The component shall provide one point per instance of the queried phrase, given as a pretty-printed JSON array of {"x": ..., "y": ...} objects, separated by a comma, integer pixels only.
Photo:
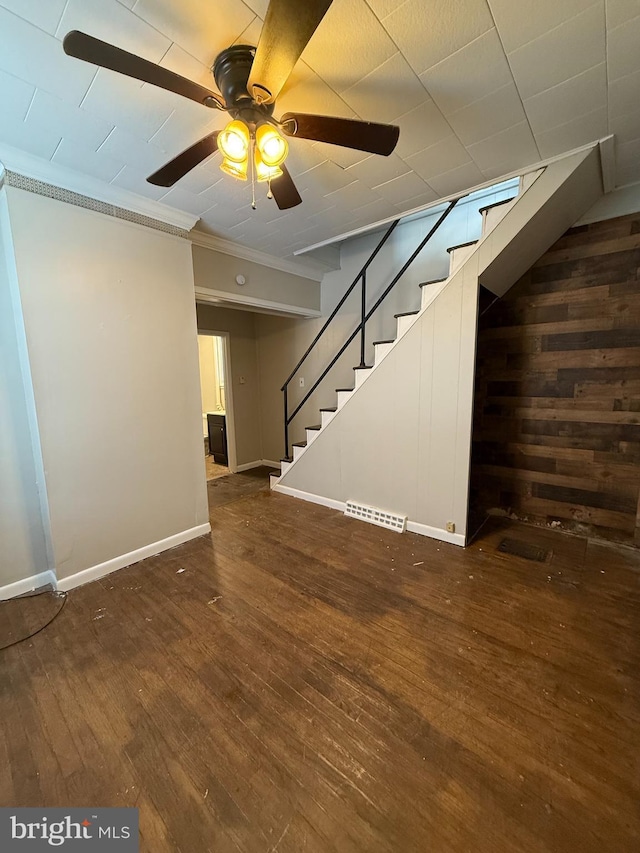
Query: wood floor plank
[{"x": 301, "y": 681}]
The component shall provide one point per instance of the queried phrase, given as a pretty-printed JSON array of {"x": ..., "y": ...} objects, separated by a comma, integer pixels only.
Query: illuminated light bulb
[
  {"x": 273, "y": 147},
  {"x": 264, "y": 172},
  {"x": 236, "y": 170},
  {"x": 234, "y": 141}
]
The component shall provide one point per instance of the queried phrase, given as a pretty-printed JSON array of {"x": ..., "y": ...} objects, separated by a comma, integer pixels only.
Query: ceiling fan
[{"x": 249, "y": 79}]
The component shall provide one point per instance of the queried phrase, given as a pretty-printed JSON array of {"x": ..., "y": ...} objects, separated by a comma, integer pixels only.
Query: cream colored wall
[
  {"x": 245, "y": 381},
  {"x": 111, "y": 334},
  {"x": 217, "y": 271},
  {"x": 23, "y": 545}
]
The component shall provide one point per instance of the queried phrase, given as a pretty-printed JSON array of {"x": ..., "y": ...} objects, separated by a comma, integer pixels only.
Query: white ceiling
[{"x": 479, "y": 88}]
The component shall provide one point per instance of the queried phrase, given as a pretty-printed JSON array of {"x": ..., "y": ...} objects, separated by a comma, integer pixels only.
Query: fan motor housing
[{"x": 231, "y": 71}]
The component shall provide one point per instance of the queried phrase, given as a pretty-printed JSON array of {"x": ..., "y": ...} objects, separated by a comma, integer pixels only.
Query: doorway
[{"x": 217, "y": 435}]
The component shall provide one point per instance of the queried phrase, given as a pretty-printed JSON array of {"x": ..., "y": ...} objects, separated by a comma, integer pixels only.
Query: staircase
[{"x": 424, "y": 376}]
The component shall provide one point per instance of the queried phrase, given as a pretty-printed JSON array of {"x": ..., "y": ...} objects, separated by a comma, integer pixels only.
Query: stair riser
[
  {"x": 343, "y": 396},
  {"x": 405, "y": 323},
  {"x": 326, "y": 418},
  {"x": 311, "y": 434},
  {"x": 380, "y": 351},
  {"x": 360, "y": 375},
  {"x": 284, "y": 467},
  {"x": 273, "y": 480},
  {"x": 459, "y": 256},
  {"x": 297, "y": 452},
  {"x": 491, "y": 217}
]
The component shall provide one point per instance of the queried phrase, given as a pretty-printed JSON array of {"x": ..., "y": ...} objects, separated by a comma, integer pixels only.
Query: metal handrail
[{"x": 365, "y": 317}]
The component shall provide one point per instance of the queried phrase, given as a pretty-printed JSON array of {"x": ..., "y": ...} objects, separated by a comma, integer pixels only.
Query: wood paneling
[
  {"x": 301, "y": 682},
  {"x": 557, "y": 408}
]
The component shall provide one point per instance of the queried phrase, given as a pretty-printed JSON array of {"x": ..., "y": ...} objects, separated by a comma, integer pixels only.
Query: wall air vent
[{"x": 376, "y": 516}]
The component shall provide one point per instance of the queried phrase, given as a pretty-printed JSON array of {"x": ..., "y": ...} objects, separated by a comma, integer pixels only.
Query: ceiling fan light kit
[{"x": 249, "y": 79}]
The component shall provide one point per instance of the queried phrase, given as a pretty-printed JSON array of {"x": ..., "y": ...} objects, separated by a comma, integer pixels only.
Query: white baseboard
[
  {"x": 307, "y": 496},
  {"x": 96, "y": 572},
  {"x": 12, "y": 590},
  {"x": 436, "y": 533},
  {"x": 246, "y": 466}
]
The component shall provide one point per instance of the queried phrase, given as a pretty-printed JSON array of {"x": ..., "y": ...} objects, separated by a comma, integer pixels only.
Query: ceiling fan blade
[
  {"x": 284, "y": 190},
  {"x": 363, "y": 135},
  {"x": 106, "y": 55},
  {"x": 288, "y": 26},
  {"x": 183, "y": 163}
]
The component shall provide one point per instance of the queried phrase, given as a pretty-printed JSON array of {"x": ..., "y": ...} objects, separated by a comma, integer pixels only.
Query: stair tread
[
  {"x": 391, "y": 341},
  {"x": 433, "y": 281},
  {"x": 317, "y": 426},
  {"x": 406, "y": 314},
  {"x": 299, "y": 444},
  {"x": 329, "y": 409},
  {"x": 462, "y": 245},
  {"x": 287, "y": 459},
  {"x": 495, "y": 204},
  {"x": 344, "y": 389},
  {"x": 363, "y": 367}
]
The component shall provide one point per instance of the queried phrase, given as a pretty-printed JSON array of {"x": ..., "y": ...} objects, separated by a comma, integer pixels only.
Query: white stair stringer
[{"x": 401, "y": 440}]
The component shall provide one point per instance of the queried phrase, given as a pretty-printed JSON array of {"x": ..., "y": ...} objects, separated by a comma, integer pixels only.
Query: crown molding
[
  {"x": 30, "y": 166},
  {"x": 246, "y": 253}
]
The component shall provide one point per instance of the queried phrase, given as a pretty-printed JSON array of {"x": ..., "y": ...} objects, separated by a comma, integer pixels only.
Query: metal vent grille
[
  {"x": 523, "y": 549},
  {"x": 376, "y": 516},
  {"x": 32, "y": 185}
]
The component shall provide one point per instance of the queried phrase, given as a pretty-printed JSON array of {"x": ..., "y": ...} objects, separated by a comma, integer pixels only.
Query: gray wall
[
  {"x": 111, "y": 334},
  {"x": 23, "y": 551}
]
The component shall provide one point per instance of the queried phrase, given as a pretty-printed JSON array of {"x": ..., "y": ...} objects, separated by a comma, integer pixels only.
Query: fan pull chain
[
  {"x": 253, "y": 175},
  {"x": 269, "y": 193}
]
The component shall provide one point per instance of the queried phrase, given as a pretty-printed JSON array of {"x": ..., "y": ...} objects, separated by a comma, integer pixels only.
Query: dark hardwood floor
[{"x": 302, "y": 681}]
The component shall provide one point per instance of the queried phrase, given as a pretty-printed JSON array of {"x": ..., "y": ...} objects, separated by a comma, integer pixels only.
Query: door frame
[{"x": 228, "y": 393}]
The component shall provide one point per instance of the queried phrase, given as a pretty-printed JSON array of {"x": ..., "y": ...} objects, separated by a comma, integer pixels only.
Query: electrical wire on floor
[{"x": 63, "y": 600}]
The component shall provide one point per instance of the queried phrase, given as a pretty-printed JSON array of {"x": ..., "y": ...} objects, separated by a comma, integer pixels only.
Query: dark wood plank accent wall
[{"x": 557, "y": 409}]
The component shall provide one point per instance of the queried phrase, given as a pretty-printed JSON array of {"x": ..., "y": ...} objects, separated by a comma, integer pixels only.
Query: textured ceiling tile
[
  {"x": 189, "y": 123},
  {"x": 564, "y": 52},
  {"x": 506, "y": 151},
  {"x": 130, "y": 179},
  {"x": 251, "y": 35},
  {"x": 50, "y": 113},
  {"x": 191, "y": 202},
  {"x": 457, "y": 180},
  {"x": 623, "y": 49},
  {"x": 471, "y": 73},
  {"x": 110, "y": 21},
  {"x": 628, "y": 163},
  {"x": 427, "y": 33},
  {"x": 573, "y": 134},
  {"x": 521, "y": 22},
  {"x": 36, "y": 57},
  {"x": 620, "y": 11},
  {"x": 390, "y": 90},
  {"x": 445, "y": 155},
  {"x": 353, "y": 195},
  {"x": 16, "y": 97},
  {"x": 141, "y": 110},
  {"x": 382, "y": 8},
  {"x": 420, "y": 128},
  {"x": 306, "y": 92},
  {"x": 375, "y": 211},
  {"x": 200, "y": 27},
  {"x": 624, "y": 94},
  {"x": 571, "y": 99},
  {"x": 81, "y": 159},
  {"x": 17, "y": 135},
  {"x": 178, "y": 60},
  {"x": 133, "y": 151},
  {"x": 344, "y": 157},
  {"x": 349, "y": 42},
  {"x": 303, "y": 156},
  {"x": 45, "y": 16},
  {"x": 488, "y": 116},
  {"x": 323, "y": 179},
  {"x": 376, "y": 170},
  {"x": 402, "y": 188}
]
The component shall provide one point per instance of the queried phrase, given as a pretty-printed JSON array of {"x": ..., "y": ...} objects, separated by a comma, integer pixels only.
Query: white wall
[
  {"x": 111, "y": 333},
  {"x": 23, "y": 545}
]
